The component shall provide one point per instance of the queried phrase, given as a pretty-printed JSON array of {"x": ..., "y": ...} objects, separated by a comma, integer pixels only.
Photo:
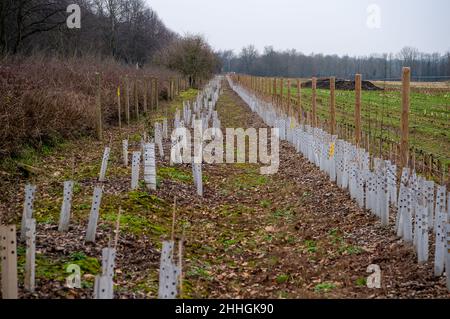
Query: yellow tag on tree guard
[
  {"x": 331, "y": 151},
  {"x": 292, "y": 124},
  {"x": 118, "y": 91}
]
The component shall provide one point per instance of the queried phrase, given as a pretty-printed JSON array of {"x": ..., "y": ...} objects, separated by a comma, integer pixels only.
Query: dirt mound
[{"x": 342, "y": 84}]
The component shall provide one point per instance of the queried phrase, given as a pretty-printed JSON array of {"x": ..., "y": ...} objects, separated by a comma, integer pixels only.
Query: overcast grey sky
[{"x": 326, "y": 26}]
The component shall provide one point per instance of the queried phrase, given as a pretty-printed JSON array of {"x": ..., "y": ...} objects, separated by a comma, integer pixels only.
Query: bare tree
[
  {"x": 248, "y": 56},
  {"x": 192, "y": 56},
  {"x": 126, "y": 29},
  {"x": 22, "y": 19}
]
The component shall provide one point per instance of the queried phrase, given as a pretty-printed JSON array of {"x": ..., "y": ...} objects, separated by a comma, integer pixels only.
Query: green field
[{"x": 429, "y": 115}]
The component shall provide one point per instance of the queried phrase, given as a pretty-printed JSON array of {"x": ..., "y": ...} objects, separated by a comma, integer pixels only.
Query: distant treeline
[{"x": 424, "y": 66}]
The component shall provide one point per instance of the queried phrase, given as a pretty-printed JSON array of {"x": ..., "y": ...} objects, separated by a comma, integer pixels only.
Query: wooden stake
[
  {"x": 172, "y": 95},
  {"x": 136, "y": 98},
  {"x": 281, "y": 93},
  {"x": 180, "y": 264},
  {"x": 156, "y": 93},
  {"x": 313, "y": 102},
  {"x": 332, "y": 106},
  {"x": 99, "y": 108},
  {"x": 116, "y": 237},
  {"x": 151, "y": 93},
  {"x": 173, "y": 218},
  {"x": 299, "y": 101},
  {"x": 289, "y": 98},
  {"x": 73, "y": 166},
  {"x": 404, "y": 124},
  {"x": 119, "y": 111},
  {"x": 274, "y": 91},
  {"x": 145, "y": 94},
  {"x": 357, "y": 109},
  {"x": 29, "y": 280},
  {"x": 127, "y": 91}
]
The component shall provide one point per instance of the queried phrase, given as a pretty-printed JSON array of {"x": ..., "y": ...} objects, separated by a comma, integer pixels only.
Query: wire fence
[{"x": 381, "y": 112}]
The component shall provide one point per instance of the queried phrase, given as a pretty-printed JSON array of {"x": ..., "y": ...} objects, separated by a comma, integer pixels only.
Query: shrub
[{"x": 45, "y": 99}]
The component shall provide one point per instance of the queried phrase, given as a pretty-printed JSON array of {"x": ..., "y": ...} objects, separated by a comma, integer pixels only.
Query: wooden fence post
[
  {"x": 274, "y": 90},
  {"x": 136, "y": 97},
  {"x": 264, "y": 83},
  {"x": 404, "y": 124},
  {"x": 127, "y": 106},
  {"x": 125, "y": 152},
  {"x": 357, "y": 109},
  {"x": 145, "y": 94},
  {"x": 289, "y": 98},
  {"x": 99, "y": 108},
  {"x": 151, "y": 93},
  {"x": 299, "y": 100},
  {"x": 332, "y": 106},
  {"x": 261, "y": 85},
  {"x": 156, "y": 93},
  {"x": 174, "y": 88},
  {"x": 313, "y": 102},
  {"x": 281, "y": 92}
]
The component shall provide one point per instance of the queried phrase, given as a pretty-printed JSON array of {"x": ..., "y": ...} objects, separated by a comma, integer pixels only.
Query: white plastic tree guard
[
  {"x": 169, "y": 273},
  {"x": 93, "y": 217},
  {"x": 158, "y": 139},
  {"x": 135, "y": 170},
  {"x": 104, "y": 166},
  {"x": 8, "y": 254},
  {"x": 150, "y": 166},
  {"x": 30, "y": 231},
  {"x": 104, "y": 283},
  {"x": 30, "y": 191},
  {"x": 64, "y": 219},
  {"x": 125, "y": 152}
]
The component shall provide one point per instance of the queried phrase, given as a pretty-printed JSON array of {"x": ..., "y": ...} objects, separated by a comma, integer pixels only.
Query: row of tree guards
[
  {"x": 279, "y": 92},
  {"x": 138, "y": 95}
]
